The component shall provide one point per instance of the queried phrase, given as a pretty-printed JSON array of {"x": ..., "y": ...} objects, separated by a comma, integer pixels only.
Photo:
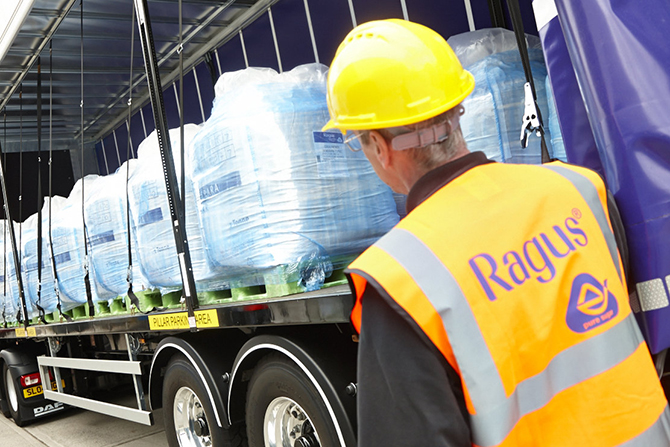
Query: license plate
[{"x": 37, "y": 390}]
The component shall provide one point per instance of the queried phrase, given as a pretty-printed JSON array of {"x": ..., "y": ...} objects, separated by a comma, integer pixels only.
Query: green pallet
[{"x": 271, "y": 289}]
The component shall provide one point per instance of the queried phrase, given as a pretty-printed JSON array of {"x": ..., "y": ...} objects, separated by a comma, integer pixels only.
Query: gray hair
[{"x": 432, "y": 155}]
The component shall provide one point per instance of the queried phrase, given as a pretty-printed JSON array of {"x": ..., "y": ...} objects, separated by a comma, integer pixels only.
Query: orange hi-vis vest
[{"x": 512, "y": 272}]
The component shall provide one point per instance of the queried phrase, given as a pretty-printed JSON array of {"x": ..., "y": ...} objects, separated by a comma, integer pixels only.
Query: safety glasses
[{"x": 353, "y": 142}]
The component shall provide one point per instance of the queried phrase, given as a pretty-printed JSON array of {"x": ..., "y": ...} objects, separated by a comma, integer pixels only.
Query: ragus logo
[{"x": 591, "y": 304}]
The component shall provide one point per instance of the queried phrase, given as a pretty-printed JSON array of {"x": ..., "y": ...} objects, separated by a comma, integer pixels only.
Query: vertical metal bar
[
  {"x": 218, "y": 62},
  {"x": 130, "y": 141},
  {"x": 144, "y": 125},
  {"x": 104, "y": 155},
  {"x": 274, "y": 39},
  {"x": 244, "y": 50},
  {"x": 471, "y": 17},
  {"x": 405, "y": 15},
  {"x": 353, "y": 13},
  {"x": 182, "y": 173},
  {"x": 53, "y": 352},
  {"x": 4, "y": 236},
  {"x": 197, "y": 87},
  {"x": 116, "y": 144},
  {"x": 311, "y": 32},
  {"x": 176, "y": 98},
  {"x": 133, "y": 346},
  {"x": 176, "y": 210}
]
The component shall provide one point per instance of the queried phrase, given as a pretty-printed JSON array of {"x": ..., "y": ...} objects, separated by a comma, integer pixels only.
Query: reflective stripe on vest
[
  {"x": 656, "y": 435},
  {"x": 529, "y": 366},
  {"x": 588, "y": 191},
  {"x": 491, "y": 427}
]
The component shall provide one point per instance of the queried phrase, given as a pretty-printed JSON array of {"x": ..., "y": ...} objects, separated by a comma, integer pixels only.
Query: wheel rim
[
  {"x": 190, "y": 422},
  {"x": 11, "y": 392},
  {"x": 286, "y": 422}
]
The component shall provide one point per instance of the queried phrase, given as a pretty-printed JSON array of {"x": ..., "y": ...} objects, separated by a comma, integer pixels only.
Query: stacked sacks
[
  {"x": 47, "y": 299},
  {"x": 151, "y": 220},
  {"x": 494, "y": 111},
  {"x": 67, "y": 231},
  {"x": 273, "y": 190},
  {"x": 107, "y": 230}
]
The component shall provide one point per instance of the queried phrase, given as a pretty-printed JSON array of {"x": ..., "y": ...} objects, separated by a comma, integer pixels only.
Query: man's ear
[{"x": 381, "y": 149}]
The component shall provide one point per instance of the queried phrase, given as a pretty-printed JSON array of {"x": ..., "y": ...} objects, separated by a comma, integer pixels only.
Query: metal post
[
  {"x": 218, "y": 62},
  {"x": 116, "y": 144},
  {"x": 274, "y": 39},
  {"x": 144, "y": 125},
  {"x": 244, "y": 50},
  {"x": 176, "y": 99},
  {"x": 202, "y": 109},
  {"x": 133, "y": 349},
  {"x": 471, "y": 18},
  {"x": 405, "y": 14},
  {"x": 171, "y": 185},
  {"x": 311, "y": 32},
  {"x": 54, "y": 347},
  {"x": 104, "y": 155},
  {"x": 353, "y": 13}
]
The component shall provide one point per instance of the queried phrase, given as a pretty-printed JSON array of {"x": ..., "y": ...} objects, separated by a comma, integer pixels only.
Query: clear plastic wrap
[
  {"x": 106, "y": 224},
  {"x": 494, "y": 111},
  {"x": 67, "y": 231},
  {"x": 275, "y": 192},
  {"x": 151, "y": 218},
  {"x": 476, "y": 45},
  {"x": 10, "y": 290},
  {"x": 557, "y": 145},
  {"x": 48, "y": 300}
]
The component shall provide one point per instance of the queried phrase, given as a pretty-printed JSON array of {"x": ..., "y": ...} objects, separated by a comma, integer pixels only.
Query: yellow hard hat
[{"x": 393, "y": 72}]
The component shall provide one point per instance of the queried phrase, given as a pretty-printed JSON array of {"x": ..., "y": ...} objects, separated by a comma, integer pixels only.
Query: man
[{"x": 496, "y": 312}]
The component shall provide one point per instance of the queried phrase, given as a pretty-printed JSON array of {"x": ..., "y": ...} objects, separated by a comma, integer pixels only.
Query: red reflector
[
  {"x": 30, "y": 380},
  {"x": 255, "y": 307}
]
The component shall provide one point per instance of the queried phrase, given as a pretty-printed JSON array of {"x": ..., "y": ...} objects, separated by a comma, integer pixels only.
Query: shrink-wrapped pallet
[
  {"x": 494, "y": 110},
  {"x": 67, "y": 230},
  {"x": 46, "y": 299},
  {"x": 107, "y": 226},
  {"x": 273, "y": 190},
  {"x": 151, "y": 217},
  {"x": 10, "y": 290}
]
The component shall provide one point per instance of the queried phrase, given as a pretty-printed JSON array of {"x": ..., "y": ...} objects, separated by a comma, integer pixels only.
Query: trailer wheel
[
  {"x": 12, "y": 396},
  {"x": 284, "y": 408},
  {"x": 187, "y": 411}
]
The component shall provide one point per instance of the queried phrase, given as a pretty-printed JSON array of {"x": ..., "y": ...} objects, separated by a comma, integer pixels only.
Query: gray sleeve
[{"x": 408, "y": 394}]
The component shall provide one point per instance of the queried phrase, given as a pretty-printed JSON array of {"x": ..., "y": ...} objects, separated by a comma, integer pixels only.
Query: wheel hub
[
  {"x": 200, "y": 427},
  {"x": 286, "y": 424},
  {"x": 190, "y": 422}
]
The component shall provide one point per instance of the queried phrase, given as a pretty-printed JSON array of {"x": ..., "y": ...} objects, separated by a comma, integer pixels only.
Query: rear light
[{"x": 30, "y": 380}]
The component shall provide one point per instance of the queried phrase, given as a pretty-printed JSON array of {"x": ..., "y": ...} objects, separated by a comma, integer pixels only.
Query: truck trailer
[{"x": 269, "y": 362}]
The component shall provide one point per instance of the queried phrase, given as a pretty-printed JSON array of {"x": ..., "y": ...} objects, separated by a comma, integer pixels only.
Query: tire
[
  {"x": 12, "y": 396},
  {"x": 187, "y": 412},
  {"x": 284, "y": 408}
]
